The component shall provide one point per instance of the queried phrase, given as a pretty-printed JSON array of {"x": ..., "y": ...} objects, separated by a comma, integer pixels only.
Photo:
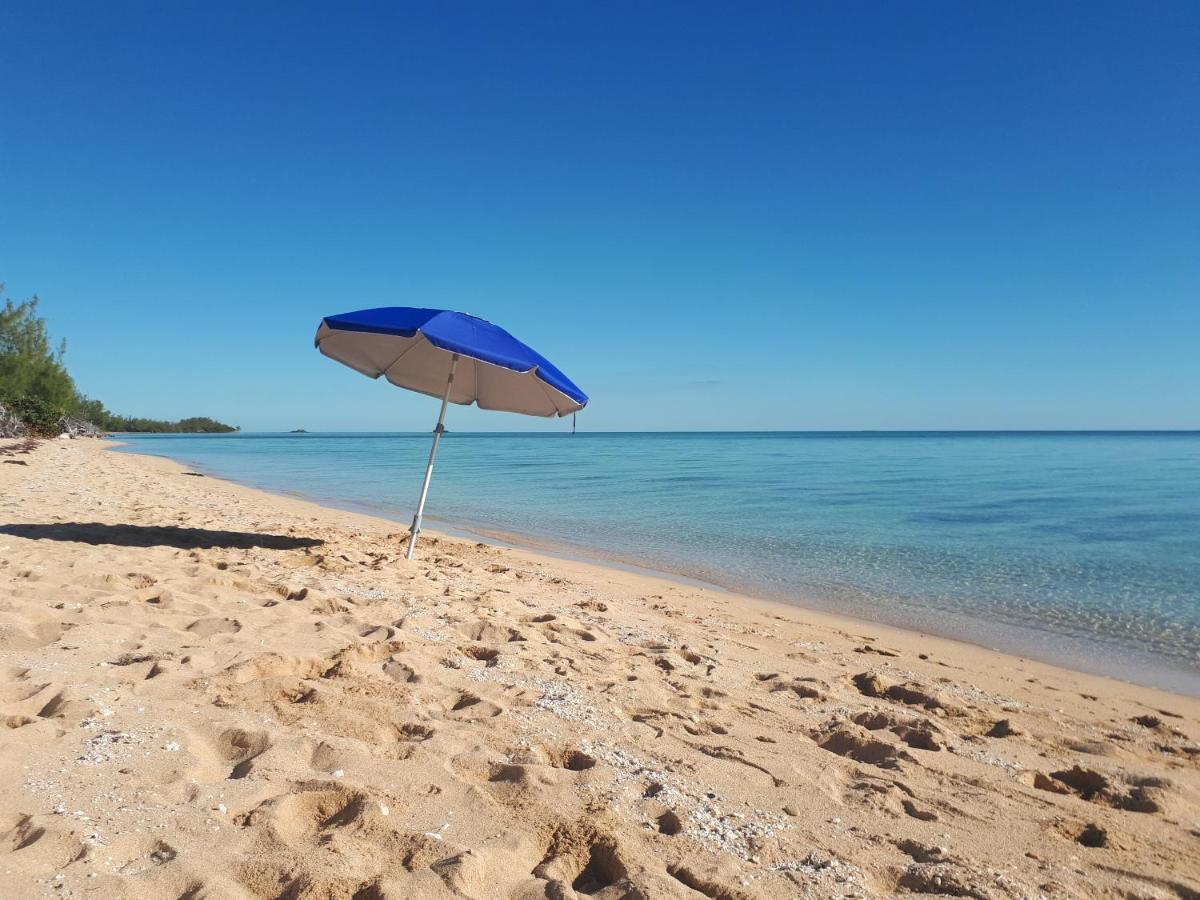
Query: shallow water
[{"x": 1079, "y": 548}]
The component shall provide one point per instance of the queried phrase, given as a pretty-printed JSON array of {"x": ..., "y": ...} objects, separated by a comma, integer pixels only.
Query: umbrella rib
[
  {"x": 412, "y": 346},
  {"x": 542, "y": 385}
]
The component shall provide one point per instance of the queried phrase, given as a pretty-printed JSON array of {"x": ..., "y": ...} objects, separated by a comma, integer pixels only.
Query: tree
[{"x": 28, "y": 365}]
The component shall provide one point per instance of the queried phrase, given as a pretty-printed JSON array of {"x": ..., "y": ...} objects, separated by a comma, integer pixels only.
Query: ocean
[{"x": 1080, "y": 548}]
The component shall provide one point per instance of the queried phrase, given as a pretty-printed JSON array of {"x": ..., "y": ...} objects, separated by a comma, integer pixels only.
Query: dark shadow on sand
[{"x": 155, "y": 536}]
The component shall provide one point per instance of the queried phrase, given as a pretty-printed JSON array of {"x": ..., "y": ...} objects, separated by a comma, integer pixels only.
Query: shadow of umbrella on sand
[
  {"x": 452, "y": 355},
  {"x": 154, "y": 536}
]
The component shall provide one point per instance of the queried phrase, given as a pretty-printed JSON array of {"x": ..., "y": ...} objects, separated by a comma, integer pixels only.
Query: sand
[{"x": 213, "y": 692}]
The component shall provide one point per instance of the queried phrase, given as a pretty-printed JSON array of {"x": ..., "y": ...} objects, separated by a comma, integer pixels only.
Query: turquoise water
[{"x": 1078, "y": 548}]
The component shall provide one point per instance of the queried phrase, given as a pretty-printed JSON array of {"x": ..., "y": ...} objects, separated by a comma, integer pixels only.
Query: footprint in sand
[
  {"x": 42, "y": 848},
  {"x": 413, "y": 731},
  {"x": 297, "y": 833},
  {"x": 854, "y": 742},
  {"x": 214, "y": 625},
  {"x": 274, "y": 665},
  {"x": 534, "y": 766},
  {"x": 40, "y": 635},
  {"x": 588, "y": 860},
  {"x": 297, "y": 818},
  {"x": 571, "y": 759},
  {"x": 232, "y": 754},
  {"x": 703, "y": 877},
  {"x": 489, "y": 656},
  {"x": 155, "y": 852},
  {"x": 1142, "y": 794},
  {"x": 804, "y": 688},
  {"x": 489, "y": 632},
  {"x": 401, "y": 672},
  {"x": 21, "y": 691},
  {"x": 668, "y": 823},
  {"x": 24, "y": 704},
  {"x": 919, "y": 733},
  {"x": 909, "y": 693},
  {"x": 467, "y": 707},
  {"x": 327, "y": 758},
  {"x": 377, "y": 632}
]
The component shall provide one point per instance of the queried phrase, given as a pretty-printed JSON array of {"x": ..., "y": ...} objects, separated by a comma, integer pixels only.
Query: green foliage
[
  {"x": 28, "y": 365},
  {"x": 40, "y": 416},
  {"x": 193, "y": 425},
  {"x": 36, "y": 388}
]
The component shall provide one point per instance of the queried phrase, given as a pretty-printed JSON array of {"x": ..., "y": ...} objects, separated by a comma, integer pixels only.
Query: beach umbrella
[{"x": 457, "y": 357}]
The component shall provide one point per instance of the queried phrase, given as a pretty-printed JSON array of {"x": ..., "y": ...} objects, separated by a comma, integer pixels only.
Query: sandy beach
[{"x": 214, "y": 692}]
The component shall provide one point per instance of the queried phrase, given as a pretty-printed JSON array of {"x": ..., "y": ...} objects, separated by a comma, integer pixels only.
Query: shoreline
[
  {"x": 1070, "y": 652},
  {"x": 216, "y": 690},
  {"x": 1073, "y": 651}
]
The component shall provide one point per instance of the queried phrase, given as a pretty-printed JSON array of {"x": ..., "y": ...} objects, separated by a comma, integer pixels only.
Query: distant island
[
  {"x": 192, "y": 425},
  {"x": 298, "y": 431},
  {"x": 38, "y": 396}
]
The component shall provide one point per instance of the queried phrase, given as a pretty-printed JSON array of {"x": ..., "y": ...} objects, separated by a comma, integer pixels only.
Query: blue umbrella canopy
[
  {"x": 451, "y": 355},
  {"x": 415, "y": 348}
]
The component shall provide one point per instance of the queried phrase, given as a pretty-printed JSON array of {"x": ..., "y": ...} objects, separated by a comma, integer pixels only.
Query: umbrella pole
[{"x": 438, "y": 430}]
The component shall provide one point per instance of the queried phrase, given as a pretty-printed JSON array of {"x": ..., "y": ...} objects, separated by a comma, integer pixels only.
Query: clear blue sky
[{"x": 841, "y": 215}]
